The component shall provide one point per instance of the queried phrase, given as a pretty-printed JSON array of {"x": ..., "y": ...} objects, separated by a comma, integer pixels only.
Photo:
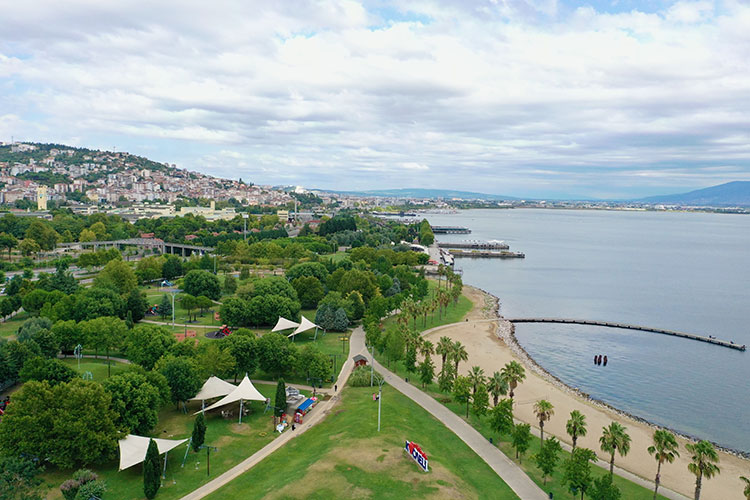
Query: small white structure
[
  {"x": 284, "y": 324},
  {"x": 246, "y": 391},
  {"x": 133, "y": 449},
  {"x": 214, "y": 388},
  {"x": 304, "y": 326}
]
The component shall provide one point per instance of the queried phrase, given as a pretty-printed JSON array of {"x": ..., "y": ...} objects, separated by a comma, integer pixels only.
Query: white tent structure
[
  {"x": 304, "y": 326},
  {"x": 133, "y": 449},
  {"x": 214, "y": 388},
  {"x": 246, "y": 391},
  {"x": 284, "y": 324}
]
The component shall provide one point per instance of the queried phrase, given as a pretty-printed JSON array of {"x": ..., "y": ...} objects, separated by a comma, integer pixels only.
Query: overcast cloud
[{"x": 526, "y": 98}]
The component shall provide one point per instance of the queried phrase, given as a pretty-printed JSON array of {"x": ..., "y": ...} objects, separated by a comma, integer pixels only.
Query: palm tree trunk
[
  {"x": 494, "y": 399},
  {"x": 575, "y": 438},
  {"x": 612, "y": 464},
  {"x": 656, "y": 481},
  {"x": 541, "y": 433},
  {"x": 698, "y": 486}
]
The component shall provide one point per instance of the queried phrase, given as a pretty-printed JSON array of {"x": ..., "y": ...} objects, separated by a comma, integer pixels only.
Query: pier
[
  {"x": 625, "y": 326},
  {"x": 475, "y": 245},
  {"x": 450, "y": 230},
  {"x": 504, "y": 254}
]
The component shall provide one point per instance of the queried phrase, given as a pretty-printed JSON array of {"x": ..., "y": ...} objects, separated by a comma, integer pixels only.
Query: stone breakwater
[{"x": 506, "y": 332}]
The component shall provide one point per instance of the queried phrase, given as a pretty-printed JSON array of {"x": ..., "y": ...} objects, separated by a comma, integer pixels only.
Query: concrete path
[
  {"x": 356, "y": 346},
  {"x": 511, "y": 473}
]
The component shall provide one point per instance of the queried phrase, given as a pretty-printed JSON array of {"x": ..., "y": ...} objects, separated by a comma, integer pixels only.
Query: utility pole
[{"x": 380, "y": 398}]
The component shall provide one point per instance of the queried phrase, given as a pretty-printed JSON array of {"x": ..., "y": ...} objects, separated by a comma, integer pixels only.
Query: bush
[{"x": 360, "y": 377}]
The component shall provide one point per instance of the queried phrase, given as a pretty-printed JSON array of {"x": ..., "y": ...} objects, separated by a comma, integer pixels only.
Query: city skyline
[{"x": 537, "y": 99}]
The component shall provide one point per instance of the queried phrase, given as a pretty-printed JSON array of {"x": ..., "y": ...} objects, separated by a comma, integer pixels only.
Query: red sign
[{"x": 416, "y": 453}]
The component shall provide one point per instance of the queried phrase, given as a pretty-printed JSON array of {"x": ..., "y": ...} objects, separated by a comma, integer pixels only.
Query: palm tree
[
  {"x": 614, "y": 438},
  {"x": 576, "y": 426},
  {"x": 746, "y": 491},
  {"x": 664, "y": 449},
  {"x": 513, "y": 373},
  {"x": 426, "y": 348},
  {"x": 497, "y": 387},
  {"x": 477, "y": 378},
  {"x": 703, "y": 463},
  {"x": 444, "y": 348},
  {"x": 458, "y": 354},
  {"x": 544, "y": 411}
]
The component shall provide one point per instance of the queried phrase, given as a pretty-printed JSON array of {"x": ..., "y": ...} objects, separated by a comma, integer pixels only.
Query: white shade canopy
[
  {"x": 245, "y": 391},
  {"x": 214, "y": 388},
  {"x": 305, "y": 325},
  {"x": 284, "y": 324},
  {"x": 133, "y": 448}
]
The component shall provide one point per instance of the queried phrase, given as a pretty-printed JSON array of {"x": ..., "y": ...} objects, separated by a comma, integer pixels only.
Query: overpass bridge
[{"x": 149, "y": 243}]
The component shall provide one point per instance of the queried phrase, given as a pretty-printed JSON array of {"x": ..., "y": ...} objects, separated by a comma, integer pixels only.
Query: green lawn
[
  {"x": 345, "y": 457},
  {"x": 454, "y": 313},
  {"x": 9, "y": 328},
  {"x": 235, "y": 442},
  {"x": 97, "y": 367}
]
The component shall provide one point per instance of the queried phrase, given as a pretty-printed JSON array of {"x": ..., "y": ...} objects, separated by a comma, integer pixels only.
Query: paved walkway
[
  {"x": 356, "y": 346},
  {"x": 511, "y": 473}
]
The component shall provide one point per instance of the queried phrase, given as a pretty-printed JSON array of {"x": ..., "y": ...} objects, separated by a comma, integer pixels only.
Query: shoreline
[{"x": 492, "y": 344}]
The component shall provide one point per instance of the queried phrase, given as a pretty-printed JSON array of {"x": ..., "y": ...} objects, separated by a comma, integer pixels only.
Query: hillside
[{"x": 730, "y": 194}]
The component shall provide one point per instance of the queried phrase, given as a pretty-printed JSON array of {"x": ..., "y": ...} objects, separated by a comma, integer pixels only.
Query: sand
[{"x": 490, "y": 352}]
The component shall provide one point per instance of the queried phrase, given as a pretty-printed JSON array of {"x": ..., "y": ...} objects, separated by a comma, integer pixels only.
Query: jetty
[
  {"x": 710, "y": 339},
  {"x": 503, "y": 254},
  {"x": 475, "y": 245},
  {"x": 450, "y": 230}
]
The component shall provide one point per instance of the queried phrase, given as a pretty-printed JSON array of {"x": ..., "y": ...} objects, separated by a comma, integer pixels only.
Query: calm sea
[{"x": 680, "y": 271}]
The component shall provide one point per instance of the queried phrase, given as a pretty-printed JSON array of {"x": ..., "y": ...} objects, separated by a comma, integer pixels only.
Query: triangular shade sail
[
  {"x": 284, "y": 324},
  {"x": 305, "y": 325},
  {"x": 133, "y": 448},
  {"x": 245, "y": 391},
  {"x": 214, "y": 388}
]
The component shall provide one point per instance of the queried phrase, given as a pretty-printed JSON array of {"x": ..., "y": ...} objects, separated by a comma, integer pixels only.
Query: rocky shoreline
[{"x": 505, "y": 331}]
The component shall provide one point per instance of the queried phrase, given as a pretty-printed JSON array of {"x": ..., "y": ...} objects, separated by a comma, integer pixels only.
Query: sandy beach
[{"x": 490, "y": 348}]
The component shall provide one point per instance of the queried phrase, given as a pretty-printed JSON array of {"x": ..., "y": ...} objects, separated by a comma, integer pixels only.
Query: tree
[
  {"x": 149, "y": 268},
  {"x": 145, "y": 344},
  {"x": 29, "y": 247},
  {"x": 308, "y": 269},
  {"x": 279, "y": 401},
  {"x": 203, "y": 303},
  {"x": 703, "y": 463},
  {"x": 212, "y": 359},
  {"x": 614, "y": 438},
  {"x": 151, "y": 471},
  {"x": 136, "y": 305},
  {"x": 34, "y": 300},
  {"x": 8, "y": 242},
  {"x": 182, "y": 377},
  {"x": 576, "y": 426},
  {"x": 199, "y": 282},
  {"x": 480, "y": 401},
  {"x": 497, "y": 386},
  {"x": 276, "y": 354},
  {"x": 358, "y": 305},
  {"x": 501, "y": 419},
  {"x": 105, "y": 333},
  {"x": 546, "y": 459},
  {"x": 513, "y": 373},
  {"x": 462, "y": 391},
  {"x": 578, "y": 470},
  {"x": 135, "y": 402},
  {"x": 230, "y": 284},
  {"x": 171, "y": 268},
  {"x": 52, "y": 370},
  {"x": 477, "y": 378},
  {"x": 63, "y": 280},
  {"x": 118, "y": 276},
  {"x": 199, "y": 432},
  {"x": 521, "y": 439},
  {"x": 165, "y": 307},
  {"x": 18, "y": 479},
  {"x": 395, "y": 345},
  {"x": 444, "y": 348},
  {"x": 42, "y": 233},
  {"x": 189, "y": 303},
  {"x": 664, "y": 449},
  {"x": 543, "y": 410},
  {"x": 458, "y": 354},
  {"x": 340, "y": 320},
  {"x": 245, "y": 352},
  {"x": 426, "y": 371},
  {"x": 604, "y": 489},
  {"x": 27, "y": 427},
  {"x": 746, "y": 491}
]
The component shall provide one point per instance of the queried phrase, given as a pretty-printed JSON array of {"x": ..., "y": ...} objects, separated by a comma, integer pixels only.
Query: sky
[{"x": 529, "y": 98}]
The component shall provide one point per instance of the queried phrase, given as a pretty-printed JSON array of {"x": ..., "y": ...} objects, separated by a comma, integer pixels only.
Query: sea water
[{"x": 679, "y": 271}]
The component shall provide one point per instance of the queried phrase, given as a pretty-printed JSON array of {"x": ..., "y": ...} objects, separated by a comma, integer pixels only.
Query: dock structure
[
  {"x": 503, "y": 254},
  {"x": 450, "y": 230},
  {"x": 475, "y": 245},
  {"x": 710, "y": 339}
]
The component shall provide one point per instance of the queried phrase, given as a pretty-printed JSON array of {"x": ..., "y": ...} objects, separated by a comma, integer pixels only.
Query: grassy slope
[
  {"x": 97, "y": 367},
  {"x": 235, "y": 443},
  {"x": 345, "y": 457}
]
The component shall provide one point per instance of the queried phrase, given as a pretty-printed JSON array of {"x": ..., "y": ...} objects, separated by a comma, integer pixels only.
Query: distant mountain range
[
  {"x": 425, "y": 193},
  {"x": 731, "y": 194}
]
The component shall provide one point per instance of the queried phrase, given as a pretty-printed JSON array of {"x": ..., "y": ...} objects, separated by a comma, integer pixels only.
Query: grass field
[
  {"x": 235, "y": 442},
  {"x": 454, "y": 313},
  {"x": 345, "y": 457},
  {"x": 9, "y": 328},
  {"x": 97, "y": 367}
]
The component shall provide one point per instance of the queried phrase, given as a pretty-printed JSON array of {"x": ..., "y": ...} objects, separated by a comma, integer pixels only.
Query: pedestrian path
[
  {"x": 511, "y": 473},
  {"x": 356, "y": 346}
]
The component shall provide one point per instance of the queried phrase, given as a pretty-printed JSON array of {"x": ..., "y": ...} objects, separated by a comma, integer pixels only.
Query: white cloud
[{"x": 492, "y": 96}]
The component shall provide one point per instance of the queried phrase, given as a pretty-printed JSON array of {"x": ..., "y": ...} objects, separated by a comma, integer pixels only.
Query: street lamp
[
  {"x": 244, "y": 218},
  {"x": 381, "y": 381}
]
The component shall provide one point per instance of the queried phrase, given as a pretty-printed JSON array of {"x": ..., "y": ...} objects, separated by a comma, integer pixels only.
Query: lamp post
[{"x": 381, "y": 381}]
